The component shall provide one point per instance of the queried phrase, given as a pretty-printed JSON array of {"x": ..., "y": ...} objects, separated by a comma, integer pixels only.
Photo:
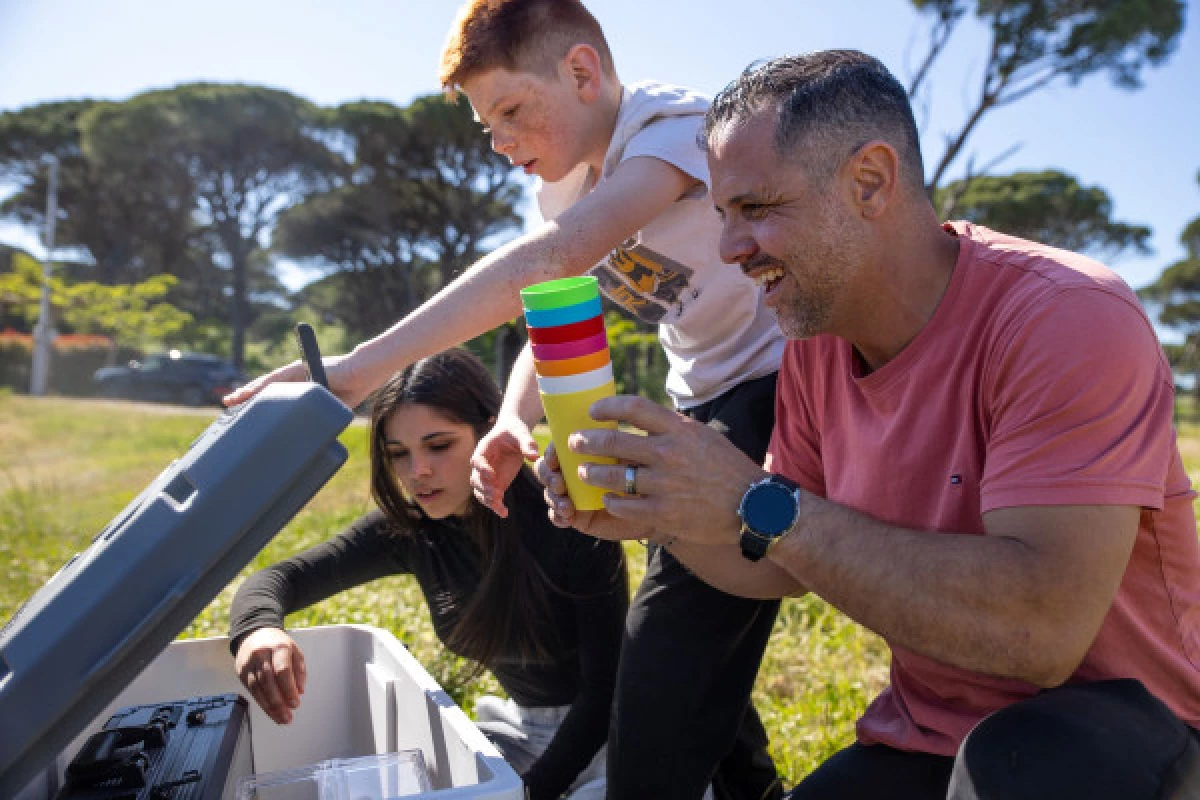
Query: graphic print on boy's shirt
[{"x": 645, "y": 283}]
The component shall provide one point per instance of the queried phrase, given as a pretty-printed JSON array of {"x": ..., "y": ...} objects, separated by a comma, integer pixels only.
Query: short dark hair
[{"x": 834, "y": 100}]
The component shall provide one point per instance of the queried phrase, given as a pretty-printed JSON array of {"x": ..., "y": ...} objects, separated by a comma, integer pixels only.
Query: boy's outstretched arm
[{"x": 487, "y": 295}]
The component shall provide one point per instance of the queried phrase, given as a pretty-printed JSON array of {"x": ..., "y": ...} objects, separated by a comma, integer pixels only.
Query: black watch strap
[
  {"x": 783, "y": 481},
  {"x": 754, "y": 547}
]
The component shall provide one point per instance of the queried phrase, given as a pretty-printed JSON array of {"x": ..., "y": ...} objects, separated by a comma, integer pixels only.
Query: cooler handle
[{"x": 311, "y": 354}]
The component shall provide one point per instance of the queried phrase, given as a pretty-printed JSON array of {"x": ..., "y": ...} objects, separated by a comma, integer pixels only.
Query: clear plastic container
[{"x": 379, "y": 777}]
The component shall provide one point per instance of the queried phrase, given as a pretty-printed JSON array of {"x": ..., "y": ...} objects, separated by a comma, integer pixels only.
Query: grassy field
[{"x": 68, "y": 466}]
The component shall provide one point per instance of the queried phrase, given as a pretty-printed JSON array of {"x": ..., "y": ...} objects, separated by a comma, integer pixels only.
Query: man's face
[
  {"x": 793, "y": 236},
  {"x": 536, "y": 121}
]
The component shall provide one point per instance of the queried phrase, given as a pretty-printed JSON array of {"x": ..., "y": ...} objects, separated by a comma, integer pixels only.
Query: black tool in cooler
[
  {"x": 71, "y": 649},
  {"x": 194, "y": 749}
]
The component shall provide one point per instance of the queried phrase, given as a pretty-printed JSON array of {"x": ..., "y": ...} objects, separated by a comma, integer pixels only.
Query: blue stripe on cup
[{"x": 563, "y": 315}]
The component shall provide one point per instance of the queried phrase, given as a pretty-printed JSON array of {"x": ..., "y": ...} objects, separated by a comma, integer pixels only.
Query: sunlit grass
[{"x": 67, "y": 467}]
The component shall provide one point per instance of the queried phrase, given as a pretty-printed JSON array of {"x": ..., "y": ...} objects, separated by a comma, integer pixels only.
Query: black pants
[
  {"x": 682, "y": 717},
  {"x": 1110, "y": 740}
]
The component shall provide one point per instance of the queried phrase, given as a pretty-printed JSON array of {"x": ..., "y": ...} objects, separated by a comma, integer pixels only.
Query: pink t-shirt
[{"x": 1038, "y": 381}]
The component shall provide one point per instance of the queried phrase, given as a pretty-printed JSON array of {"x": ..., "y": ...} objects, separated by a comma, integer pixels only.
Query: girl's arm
[
  {"x": 356, "y": 556},
  {"x": 266, "y": 659}
]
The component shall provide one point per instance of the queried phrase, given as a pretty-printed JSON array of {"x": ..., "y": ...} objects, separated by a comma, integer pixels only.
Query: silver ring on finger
[{"x": 630, "y": 479}]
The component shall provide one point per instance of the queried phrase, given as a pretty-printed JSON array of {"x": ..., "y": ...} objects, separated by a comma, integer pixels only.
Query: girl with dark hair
[{"x": 541, "y": 607}]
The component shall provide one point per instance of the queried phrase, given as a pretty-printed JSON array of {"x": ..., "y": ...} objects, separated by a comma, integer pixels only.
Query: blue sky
[{"x": 1142, "y": 147}]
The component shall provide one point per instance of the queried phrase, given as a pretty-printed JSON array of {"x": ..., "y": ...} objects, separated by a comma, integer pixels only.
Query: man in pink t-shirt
[{"x": 973, "y": 456}]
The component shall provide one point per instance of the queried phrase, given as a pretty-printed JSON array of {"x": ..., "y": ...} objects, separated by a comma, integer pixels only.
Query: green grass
[{"x": 68, "y": 466}]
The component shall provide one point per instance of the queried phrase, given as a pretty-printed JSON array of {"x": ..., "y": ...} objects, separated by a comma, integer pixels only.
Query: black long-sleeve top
[{"x": 586, "y": 614}]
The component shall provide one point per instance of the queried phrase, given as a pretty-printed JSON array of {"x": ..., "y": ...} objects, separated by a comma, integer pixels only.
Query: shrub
[
  {"x": 74, "y": 358},
  {"x": 16, "y": 360}
]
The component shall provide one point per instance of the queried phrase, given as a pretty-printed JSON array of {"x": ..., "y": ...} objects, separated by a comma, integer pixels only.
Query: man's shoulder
[
  {"x": 1038, "y": 265},
  {"x": 1015, "y": 279}
]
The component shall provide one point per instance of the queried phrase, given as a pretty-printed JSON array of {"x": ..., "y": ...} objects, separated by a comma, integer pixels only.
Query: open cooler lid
[{"x": 79, "y": 640}]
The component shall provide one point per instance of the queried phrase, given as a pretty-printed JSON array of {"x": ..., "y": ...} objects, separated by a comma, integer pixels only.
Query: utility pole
[{"x": 43, "y": 332}]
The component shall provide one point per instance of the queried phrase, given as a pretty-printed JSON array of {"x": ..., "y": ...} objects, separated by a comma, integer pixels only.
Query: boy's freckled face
[{"x": 535, "y": 121}]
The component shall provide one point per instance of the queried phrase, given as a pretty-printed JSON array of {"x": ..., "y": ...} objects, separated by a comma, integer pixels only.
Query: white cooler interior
[{"x": 365, "y": 695}]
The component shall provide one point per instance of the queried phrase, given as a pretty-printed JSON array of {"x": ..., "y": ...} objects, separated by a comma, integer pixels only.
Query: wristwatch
[{"x": 768, "y": 510}]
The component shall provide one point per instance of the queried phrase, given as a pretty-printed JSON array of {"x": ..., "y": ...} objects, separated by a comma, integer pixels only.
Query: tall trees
[
  {"x": 248, "y": 153},
  {"x": 132, "y": 218},
  {"x": 1037, "y": 42},
  {"x": 1050, "y": 207},
  {"x": 1176, "y": 296},
  {"x": 424, "y": 193},
  {"x": 1033, "y": 44},
  {"x": 212, "y": 183}
]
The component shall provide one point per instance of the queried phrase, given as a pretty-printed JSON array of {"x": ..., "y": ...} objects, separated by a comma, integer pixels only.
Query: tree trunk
[
  {"x": 237, "y": 317},
  {"x": 506, "y": 349},
  {"x": 498, "y": 357},
  {"x": 956, "y": 144}
]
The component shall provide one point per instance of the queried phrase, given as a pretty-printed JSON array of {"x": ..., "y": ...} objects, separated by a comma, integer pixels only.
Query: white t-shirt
[{"x": 712, "y": 322}]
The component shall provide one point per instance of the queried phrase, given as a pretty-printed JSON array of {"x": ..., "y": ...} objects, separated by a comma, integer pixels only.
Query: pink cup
[{"x": 575, "y": 349}]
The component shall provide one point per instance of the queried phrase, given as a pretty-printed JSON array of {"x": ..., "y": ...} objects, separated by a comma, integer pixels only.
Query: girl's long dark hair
[{"x": 511, "y": 603}]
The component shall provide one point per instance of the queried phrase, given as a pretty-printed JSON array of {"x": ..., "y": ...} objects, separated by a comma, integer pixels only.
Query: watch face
[{"x": 769, "y": 509}]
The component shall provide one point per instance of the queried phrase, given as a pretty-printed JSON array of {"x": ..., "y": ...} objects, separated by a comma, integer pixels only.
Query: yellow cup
[{"x": 567, "y": 413}]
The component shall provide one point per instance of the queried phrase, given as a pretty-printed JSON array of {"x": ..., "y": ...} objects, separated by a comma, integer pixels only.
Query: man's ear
[
  {"x": 586, "y": 71},
  {"x": 874, "y": 171}
]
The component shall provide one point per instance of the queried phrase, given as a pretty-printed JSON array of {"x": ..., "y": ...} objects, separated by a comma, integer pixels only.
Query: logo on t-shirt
[{"x": 645, "y": 283}]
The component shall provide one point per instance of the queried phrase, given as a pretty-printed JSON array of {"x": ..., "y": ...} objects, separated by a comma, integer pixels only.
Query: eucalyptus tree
[
  {"x": 1050, "y": 207},
  {"x": 248, "y": 152},
  {"x": 424, "y": 198},
  {"x": 1037, "y": 43},
  {"x": 1175, "y": 296}
]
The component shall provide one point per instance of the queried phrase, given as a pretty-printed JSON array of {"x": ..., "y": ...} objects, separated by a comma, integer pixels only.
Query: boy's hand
[
  {"x": 345, "y": 378},
  {"x": 271, "y": 667},
  {"x": 498, "y": 458}
]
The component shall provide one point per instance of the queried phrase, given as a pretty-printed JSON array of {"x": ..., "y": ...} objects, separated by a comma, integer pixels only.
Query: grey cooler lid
[{"x": 108, "y": 612}]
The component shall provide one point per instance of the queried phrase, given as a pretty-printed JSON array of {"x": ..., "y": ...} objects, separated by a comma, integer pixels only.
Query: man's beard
[
  {"x": 819, "y": 270},
  {"x": 805, "y": 308}
]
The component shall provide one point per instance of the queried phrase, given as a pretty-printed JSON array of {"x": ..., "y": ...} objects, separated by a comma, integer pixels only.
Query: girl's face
[{"x": 431, "y": 457}]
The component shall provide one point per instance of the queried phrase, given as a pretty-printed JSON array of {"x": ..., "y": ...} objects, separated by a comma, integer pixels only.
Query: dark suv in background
[{"x": 192, "y": 379}]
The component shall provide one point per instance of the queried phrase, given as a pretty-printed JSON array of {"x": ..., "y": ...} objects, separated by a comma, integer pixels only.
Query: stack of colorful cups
[{"x": 570, "y": 351}]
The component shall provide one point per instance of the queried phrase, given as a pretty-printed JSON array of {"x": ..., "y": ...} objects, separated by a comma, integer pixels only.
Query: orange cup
[{"x": 572, "y": 366}]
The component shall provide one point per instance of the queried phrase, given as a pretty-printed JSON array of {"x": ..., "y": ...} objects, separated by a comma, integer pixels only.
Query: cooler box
[
  {"x": 366, "y": 694},
  {"x": 92, "y": 640}
]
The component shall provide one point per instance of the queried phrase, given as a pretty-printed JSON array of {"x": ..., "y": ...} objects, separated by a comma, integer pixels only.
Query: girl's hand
[
  {"x": 498, "y": 458},
  {"x": 271, "y": 667}
]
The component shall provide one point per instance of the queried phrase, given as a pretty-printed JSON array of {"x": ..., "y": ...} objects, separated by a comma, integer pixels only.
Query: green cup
[{"x": 561, "y": 292}]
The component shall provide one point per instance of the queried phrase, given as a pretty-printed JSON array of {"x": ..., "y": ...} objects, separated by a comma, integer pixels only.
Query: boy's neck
[{"x": 607, "y": 109}]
